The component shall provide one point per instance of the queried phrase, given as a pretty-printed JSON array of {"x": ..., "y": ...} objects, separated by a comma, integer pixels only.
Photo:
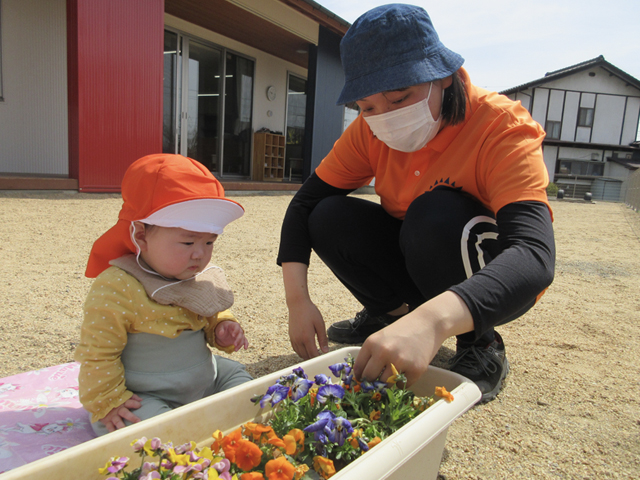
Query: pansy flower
[
  {"x": 322, "y": 425},
  {"x": 341, "y": 430},
  {"x": 287, "y": 379},
  {"x": 279, "y": 469},
  {"x": 300, "y": 388},
  {"x": 149, "y": 476},
  {"x": 248, "y": 455},
  {"x": 114, "y": 465},
  {"x": 138, "y": 445},
  {"x": 299, "y": 372},
  {"x": 443, "y": 393},
  {"x": 275, "y": 394},
  {"x": 324, "y": 466},
  {"x": 322, "y": 379},
  {"x": 330, "y": 393},
  {"x": 337, "y": 369},
  {"x": 252, "y": 476},
  {"x": 294, "y": 440},
  {"x": 222, "y": 465}
]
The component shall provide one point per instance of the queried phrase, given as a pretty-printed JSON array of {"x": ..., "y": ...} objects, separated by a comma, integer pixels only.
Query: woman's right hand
[
  {"x": 305, "y": 324},
  {"x": 305, "y": 320}
]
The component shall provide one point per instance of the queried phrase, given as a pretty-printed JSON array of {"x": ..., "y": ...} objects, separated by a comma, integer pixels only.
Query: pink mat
[{"x": 40, "y": 414}]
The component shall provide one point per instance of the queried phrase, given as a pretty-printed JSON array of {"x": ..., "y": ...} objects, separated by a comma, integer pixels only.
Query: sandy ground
[{"x": 570, "y": 407}]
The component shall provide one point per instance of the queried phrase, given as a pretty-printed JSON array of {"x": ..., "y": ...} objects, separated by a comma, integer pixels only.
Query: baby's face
[{"x": 178, "y": 253}]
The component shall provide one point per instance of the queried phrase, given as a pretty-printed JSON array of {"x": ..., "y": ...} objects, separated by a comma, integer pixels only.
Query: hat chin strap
[{"x": 153, "y": 272}]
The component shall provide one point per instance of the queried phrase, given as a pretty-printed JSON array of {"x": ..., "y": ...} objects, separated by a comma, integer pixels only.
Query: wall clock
[{"x": 271, "y": 93}]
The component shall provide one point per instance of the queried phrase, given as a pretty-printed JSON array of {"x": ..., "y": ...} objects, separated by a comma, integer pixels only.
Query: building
[
  {"x": 87, "y": 87},
  {"x": 591, "y": 113}
]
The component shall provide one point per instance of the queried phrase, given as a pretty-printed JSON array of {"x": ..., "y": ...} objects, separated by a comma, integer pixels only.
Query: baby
[{"x": 155, "y": 303}]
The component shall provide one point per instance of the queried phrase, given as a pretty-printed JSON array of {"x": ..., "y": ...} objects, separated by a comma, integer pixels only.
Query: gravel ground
[{"x": 571, "y": 404}]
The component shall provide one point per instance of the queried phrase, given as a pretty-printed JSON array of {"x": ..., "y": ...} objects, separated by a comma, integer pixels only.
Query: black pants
[{"x": 445, "y": 237}]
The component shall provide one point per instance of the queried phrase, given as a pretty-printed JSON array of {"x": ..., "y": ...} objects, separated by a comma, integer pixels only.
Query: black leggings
[{"x": 445, "y": 237}]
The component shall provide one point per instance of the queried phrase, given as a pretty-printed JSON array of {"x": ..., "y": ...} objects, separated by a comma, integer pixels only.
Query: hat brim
[
  {"x": 436, "y": 66},
  {"x": 207, "y": 215}
]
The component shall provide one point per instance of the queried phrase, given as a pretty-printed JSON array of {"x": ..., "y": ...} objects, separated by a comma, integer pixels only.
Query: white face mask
[{"x": 407, "y": 129}]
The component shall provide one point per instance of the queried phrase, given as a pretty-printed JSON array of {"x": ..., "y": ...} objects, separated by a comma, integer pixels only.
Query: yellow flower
[
  {"x": 177, "y": 459},
  {"x": 300, "y": 471},
  {"x": 206, "y": 453},
  {"x": 394, "y": 377},
  {"x": 375, "y": 415}
]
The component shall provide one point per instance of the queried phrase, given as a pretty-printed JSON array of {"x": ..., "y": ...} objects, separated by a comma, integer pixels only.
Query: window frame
[
  {"x": 572, "y": 167},
  {"x": 585, "y": 117},
  {"x": 551, "y": 127}
]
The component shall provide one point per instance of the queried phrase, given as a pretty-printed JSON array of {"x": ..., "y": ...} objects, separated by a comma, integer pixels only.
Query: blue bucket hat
[{"x": 391, "y": 47}]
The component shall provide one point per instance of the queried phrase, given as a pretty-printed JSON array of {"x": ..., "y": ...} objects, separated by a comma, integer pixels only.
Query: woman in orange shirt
[{"x": 462, "y": 239}]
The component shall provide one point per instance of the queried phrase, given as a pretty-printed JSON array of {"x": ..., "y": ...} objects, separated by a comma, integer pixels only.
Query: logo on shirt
[{"x": 444, "y": 184}]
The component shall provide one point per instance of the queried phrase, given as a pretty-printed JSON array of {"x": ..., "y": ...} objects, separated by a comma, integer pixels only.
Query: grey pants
[{"x": 170, "y": 372}]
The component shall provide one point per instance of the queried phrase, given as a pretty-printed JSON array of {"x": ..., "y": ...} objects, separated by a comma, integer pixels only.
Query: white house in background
[{"x": 591, "y": 113}]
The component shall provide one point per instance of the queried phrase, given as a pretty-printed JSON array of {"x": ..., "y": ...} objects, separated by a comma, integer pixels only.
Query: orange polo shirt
[{"x": 495, "y": 155}]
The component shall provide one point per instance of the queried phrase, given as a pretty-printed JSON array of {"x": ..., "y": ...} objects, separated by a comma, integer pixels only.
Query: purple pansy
[
  {"x": 117, "y": 464},
  {"x": 337, "y": 368},
  {"x": 275, "y": 394},
  {"x": 322, "y": 379},
  {"x": 322, "y": 426},
  {"x": 341, "y": 430},
  {"x": 299, "y": 372},
  {"x": 330, "y": 393},
  {"x": 300, "y": 388}
]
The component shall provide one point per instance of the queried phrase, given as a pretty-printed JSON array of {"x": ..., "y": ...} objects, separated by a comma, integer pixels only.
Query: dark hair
[{"x": 454, "y": 105}]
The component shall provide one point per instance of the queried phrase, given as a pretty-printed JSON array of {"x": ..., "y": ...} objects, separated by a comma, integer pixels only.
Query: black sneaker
[
  {"x": 487, "y": 367},
  {"x": 356, "y": 330}
]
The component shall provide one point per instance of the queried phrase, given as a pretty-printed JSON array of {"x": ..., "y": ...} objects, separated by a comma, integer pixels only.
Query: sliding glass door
[
  {"x": 197, "y": 123},
  {"x": 296, "y": 115}
]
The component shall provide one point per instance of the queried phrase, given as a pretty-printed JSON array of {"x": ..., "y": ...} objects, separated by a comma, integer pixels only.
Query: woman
[{"x": 462, "y": 239}]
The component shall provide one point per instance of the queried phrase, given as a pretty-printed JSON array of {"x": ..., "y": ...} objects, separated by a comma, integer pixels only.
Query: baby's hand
[
  {"x": 115, "y": 418},
  {"x": 231, "y": 333}
]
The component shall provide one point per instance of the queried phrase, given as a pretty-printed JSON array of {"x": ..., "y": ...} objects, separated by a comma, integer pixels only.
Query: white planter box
[{"x": 414, "y": 451}]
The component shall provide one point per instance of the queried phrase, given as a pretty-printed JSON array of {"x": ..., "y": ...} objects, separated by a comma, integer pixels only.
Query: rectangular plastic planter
[{"x": 414, "y": 451}]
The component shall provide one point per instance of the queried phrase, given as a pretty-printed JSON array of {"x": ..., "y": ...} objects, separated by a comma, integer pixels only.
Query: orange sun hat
[{"x": 168, "y": 191}]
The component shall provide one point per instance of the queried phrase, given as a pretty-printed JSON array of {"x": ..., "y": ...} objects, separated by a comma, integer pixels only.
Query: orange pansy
[
  {"x": 375, "y": 415},
  {"x": 277, "y": 442},
  {"x": 298, "y": 437},
  {"x": 251, "y": 476},
  {"x": 279, "y": 469},
  {"x": 374, "y": 441},
  {"x": 217, "y": 440},
  {"x": 442, "y": 392},
  {"x": 230, "y": 444},
  {"x": 248, "y": 455},
  {"x": 324, "y": 466}
]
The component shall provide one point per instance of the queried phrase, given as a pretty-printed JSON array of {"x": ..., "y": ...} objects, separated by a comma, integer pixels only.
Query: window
[
  {"x": 585, "y": 117},
  {"x": 553, "y": 130},
  {"x": 580, "y": 168},
  {"x": 351, "y": 112}
]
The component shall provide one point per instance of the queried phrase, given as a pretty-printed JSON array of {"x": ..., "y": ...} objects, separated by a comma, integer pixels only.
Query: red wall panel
[{"x": 115, "y": 87}]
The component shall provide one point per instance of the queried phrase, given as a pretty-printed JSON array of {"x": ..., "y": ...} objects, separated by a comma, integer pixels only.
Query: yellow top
[{"x": 116, "y": 305}]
